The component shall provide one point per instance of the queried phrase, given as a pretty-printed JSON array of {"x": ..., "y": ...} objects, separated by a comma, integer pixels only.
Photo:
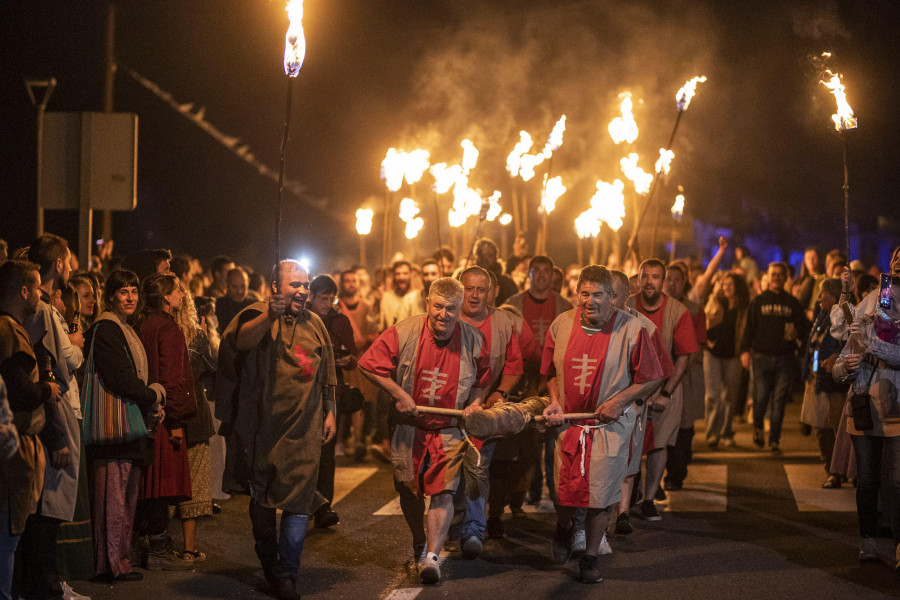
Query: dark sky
[{"x": 755, "y": 150}]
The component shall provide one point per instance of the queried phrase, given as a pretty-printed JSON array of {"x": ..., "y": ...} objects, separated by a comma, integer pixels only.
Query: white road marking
[
  {"x": 725, "y": 455},
  {"x": 806, "y": 486},
  {"x": 347, "y": 478},
  {"x": 705, "y": 490},
  {"x": 407, "y": 593},
  {"x": 390, "y": 509}
]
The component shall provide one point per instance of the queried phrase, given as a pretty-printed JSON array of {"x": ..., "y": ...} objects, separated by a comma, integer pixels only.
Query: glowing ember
[
  {"x": 392, "y": 169},
  {"x": 294, "y": 40},
  {"x": 513, "y": 161},
  {"x": 505, "y": 219},
  {"x": 553, "y": 189},
  {"x": 555, "y": 139},
  {"x": 588, "y": 224},
  {"x": 684, "y": 95},
  {"x": 470, "y": 156},
  {"x": 444, "y": 176},
  {"x": 844, "y": 118},
  {"x": 364, "y": 221},
  {"x": 609, "y": 203},
  {"x": 635, "y": 174},
  {"x": 664, "y": 162},
  {"x": 678, "y": 207},
  {"x": 624, "y": 128}
]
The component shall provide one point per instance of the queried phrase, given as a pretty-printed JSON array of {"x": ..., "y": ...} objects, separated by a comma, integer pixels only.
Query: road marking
[
  {"x": 806, "y": 486},
  {"x": 724, "y": 455},
  {"x": 705, "y": 490},
  {"x": 390, "y": 509},
  {"x": 407, "y": 593},
  {"x": 347, "y": 478}
]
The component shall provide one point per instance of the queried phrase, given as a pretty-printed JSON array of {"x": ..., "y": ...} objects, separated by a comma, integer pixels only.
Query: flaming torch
[
  {"x": 363, "y": 228},
  {"x": 294, "y": 53},
  {"x": 553, "y": 189},
  {"x": 682, "y": 101},
  {"x": 677, "y": 213},
  {"x": 844, "y": 121}
]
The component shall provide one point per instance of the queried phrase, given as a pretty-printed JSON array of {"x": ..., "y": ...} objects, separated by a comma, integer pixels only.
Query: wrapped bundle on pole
[{"x": 506, "y": 418}]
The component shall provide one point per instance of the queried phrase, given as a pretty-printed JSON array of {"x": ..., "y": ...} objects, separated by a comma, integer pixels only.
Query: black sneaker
[
  {"x": 590, "y": 569},
  {"x": 561, "y": 551},
  {"x": 495, "y": 528},
  {"x": 623, "y": 525},
  {"x": 660, "y": 495},
  {"x": 758, "y": 438},
  {"x": 325, "y": 517},
  {"x": 471, "y": 547},
  {"x": 649, "y": 512}
]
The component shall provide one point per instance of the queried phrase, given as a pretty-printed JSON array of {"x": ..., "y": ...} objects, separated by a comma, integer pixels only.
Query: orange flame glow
[
  {"x": 553, "y": 189},
  {"x": 364, "y": 221},
  {"x": 470, "y": 156},
  {"x": 624, "y": 128},
  {"x": 641, "y": 179},
  {"x": 514, "y": 160},
  {"x": 555, "y": 139},
  {"x": 844, "y": 118},
  {"x": 684, "y": 95},
  {"x": 664, "y": 162},
  {"x": 678, "y": 207},
  {"x": 609, "y": 203},
  {"x": 588, "y": 224}
]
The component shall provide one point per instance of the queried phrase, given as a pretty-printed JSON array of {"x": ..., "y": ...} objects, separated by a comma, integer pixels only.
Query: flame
[
  {"x": 587, "y": 224},
  {"x": 456, "y": 219},
  {"x": 364, "y": 221},
  {"x": 514, "y": 160},
  {"x": 609, "y": 203},
  {"x": 684, "y": 95},
  {"x": 470, "y": 156},
  {"x": 553, "y": 189},
  {"x": 408, "y": 210},
  {"x": 844, "y": 118},
  {"x": 505, "y": 219},
  {"x": 527, "y": 165},
  {"x": 413, "y": 227},
  {"x": 294, "y": 40},
  {"x": 555, "y": 139},
  {"x": 641, "y": 179},
  {"x": 444, "y": 176},
  {"x": 414, "y": 165},
  {"x": 678, "y": 207},
  {"x": 392, "y": 169},
  {"x": 664, "y": 162},
  {"x": 494, "y": 208},
  {"x": 624, "y": 128}
]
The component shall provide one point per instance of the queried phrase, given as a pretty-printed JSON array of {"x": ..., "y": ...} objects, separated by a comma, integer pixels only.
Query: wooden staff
[{"x": 452, "y": 412}]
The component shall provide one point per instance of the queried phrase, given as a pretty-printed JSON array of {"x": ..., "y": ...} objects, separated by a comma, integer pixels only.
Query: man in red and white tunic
[
  {"x": 429, "y": 360},
  {"x": 597, "y": 360},
  {"x": 674, "y": 322},
  {"x": 502, "y": 342}
]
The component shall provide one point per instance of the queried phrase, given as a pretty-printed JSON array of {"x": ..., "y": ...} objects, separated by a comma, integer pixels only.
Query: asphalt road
[{"x": 747, "y": 525}]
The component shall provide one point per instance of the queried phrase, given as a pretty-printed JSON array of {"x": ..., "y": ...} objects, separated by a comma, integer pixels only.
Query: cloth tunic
[
  {"x": 270, "y": 402},
  {"x": 694, "y": 406},
  {"x": 591, "y": 461},
  {"x": 678, "y": 332},
  {"x": 432, "y": 376}
]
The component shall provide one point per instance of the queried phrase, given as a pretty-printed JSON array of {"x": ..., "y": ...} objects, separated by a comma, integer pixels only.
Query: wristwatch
[
  {"x": 665, "y": 394},
  {"x": 504, "y": 394}
]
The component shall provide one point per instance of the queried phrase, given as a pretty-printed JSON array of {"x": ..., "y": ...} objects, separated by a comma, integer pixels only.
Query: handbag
[
  {"x": 861, "y": 407},
  {"x": 108, "y": 418}
]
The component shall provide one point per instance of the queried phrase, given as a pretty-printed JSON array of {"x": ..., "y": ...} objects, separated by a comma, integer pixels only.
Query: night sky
[{"x": 756, "y": 150}]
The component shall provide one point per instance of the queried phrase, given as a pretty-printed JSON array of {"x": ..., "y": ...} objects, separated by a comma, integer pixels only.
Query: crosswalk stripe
[
  {"x": 346, "y": 479},
  {"x": 705, "y": 490},
  {"x": 407, "y": 593},
  {"x": 806, "y": 486},
  {"x": 390, "y": 509}
]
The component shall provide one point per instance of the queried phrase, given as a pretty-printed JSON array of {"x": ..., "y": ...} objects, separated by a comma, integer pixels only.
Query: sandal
[
  {"x": 832, "y": 483},
  {"x": 193, "y": 555}
]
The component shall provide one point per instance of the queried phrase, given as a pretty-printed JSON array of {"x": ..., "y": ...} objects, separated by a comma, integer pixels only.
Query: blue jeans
[
  {"x": 281, "y": 557},
  {"x": 771, "y": 381},
  {"x": 476, "y": 486},
  {"x": 874, "y": 456},
  {"x": 8, "y": 545}
]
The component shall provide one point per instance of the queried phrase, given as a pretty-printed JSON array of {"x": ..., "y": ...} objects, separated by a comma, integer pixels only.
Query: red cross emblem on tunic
[{"x": 304, "y": 362}]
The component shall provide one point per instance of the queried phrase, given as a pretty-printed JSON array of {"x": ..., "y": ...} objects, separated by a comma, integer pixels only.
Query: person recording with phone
[{"x": 874, "y": 420}]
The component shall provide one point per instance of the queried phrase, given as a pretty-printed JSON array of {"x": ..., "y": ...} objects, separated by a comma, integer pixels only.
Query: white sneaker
[
  {"x": 867, "y": 549},
  {"x": 430, "y": 568},
  {"x": 605, "y": 548},
  {"x": 579, "y": 542},
  {"x": 70, "y": 594}
]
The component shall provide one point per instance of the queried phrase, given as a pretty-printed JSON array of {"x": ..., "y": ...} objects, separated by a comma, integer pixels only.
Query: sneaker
[
  {"x": 867, "y": 550},
  {"x": 69, "y": 594},
  {"x": 471, "y": 547},
  {"x": 560, "y": 551},
  {"x": 660, "y": 495},
  {"x": 430, "y": 569},
  {"x": 605, "y": 548},
  {"x": 728, "y": 442},
  {"x": 832, "y": 483},
  {"x": 590, "y": 569},
  {"x": 579, "y": 542},
  {"x": 649, "y": 512},
  {"x": 495, "y": 528},
  {"x": 623, "y": 525},
  {"x": 168, "y": 560},
  {"x": 758, "y": 438},
  {"x": 286, "y": 589},
  {"x": 193, "y": 555},
  {"x": 325, "y": 517},
  {"x": 774, "y": 448}
]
